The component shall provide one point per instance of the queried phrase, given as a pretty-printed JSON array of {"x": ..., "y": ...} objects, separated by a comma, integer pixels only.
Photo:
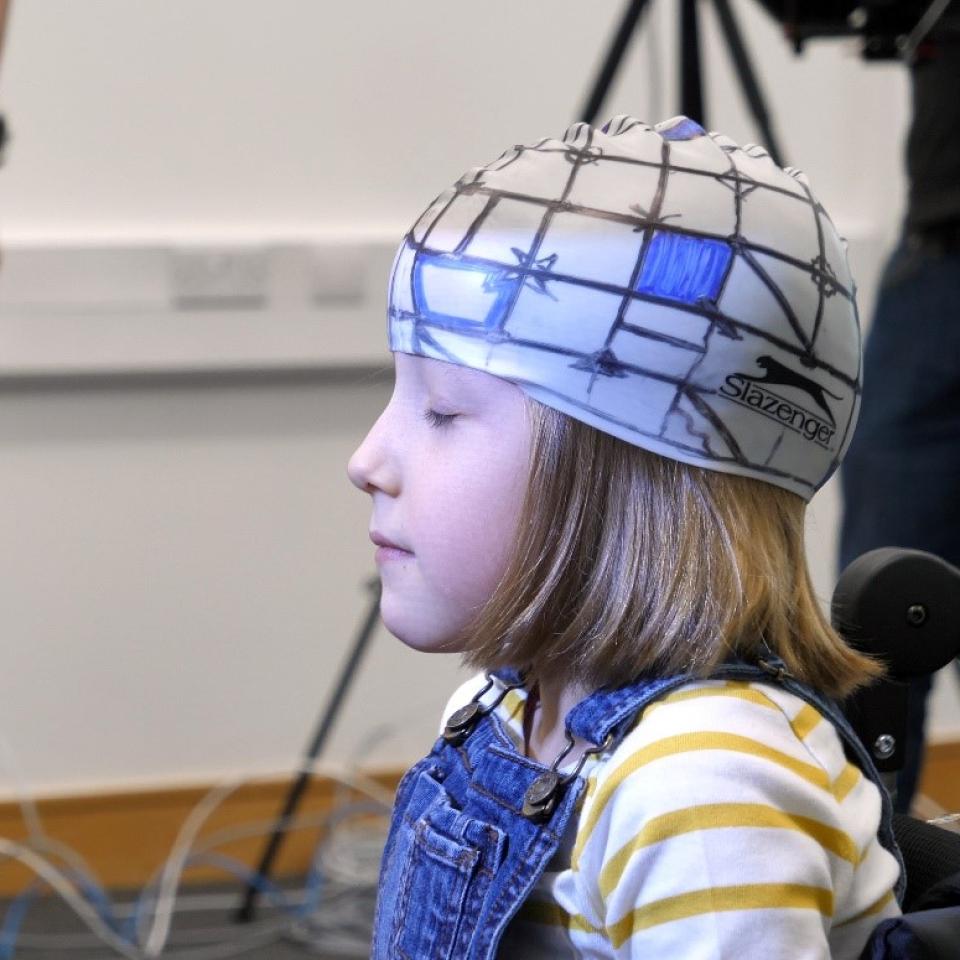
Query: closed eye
[{"x": 438, "y": 419}]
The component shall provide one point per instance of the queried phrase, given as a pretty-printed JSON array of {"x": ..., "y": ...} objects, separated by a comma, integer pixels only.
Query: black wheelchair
[{"x": 904, "y": 607}]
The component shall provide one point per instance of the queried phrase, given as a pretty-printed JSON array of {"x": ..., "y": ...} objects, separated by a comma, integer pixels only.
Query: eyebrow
[
  {"x": 456, "y": 375},
  {"x": 449, "y": 369}
]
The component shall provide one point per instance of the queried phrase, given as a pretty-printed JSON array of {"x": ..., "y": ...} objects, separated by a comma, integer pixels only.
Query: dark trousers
[{"x": 901, "y": 478}]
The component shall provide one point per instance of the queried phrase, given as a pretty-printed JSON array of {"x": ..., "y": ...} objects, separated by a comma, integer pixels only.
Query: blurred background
[{"x": 198, "y": 210}]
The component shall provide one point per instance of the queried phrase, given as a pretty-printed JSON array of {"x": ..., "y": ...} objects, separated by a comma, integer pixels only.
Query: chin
[{"x": 418, "y": 636}]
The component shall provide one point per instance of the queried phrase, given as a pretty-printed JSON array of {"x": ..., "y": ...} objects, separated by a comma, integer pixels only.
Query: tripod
[
  {"x": 691, "y": 82},
  {"x": 247, "y": 909}
]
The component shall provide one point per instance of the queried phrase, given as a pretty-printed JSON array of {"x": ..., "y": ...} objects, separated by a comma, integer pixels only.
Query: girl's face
[{"x": 446, "y": 466}]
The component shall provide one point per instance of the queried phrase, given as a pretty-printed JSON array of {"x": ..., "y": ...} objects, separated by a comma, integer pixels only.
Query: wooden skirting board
[
  {"x": 941, "y": 775},
  {"x": 126, "y": 836}
]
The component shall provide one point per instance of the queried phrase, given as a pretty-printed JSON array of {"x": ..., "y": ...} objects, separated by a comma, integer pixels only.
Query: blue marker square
[{"x": 684, "y": 268}]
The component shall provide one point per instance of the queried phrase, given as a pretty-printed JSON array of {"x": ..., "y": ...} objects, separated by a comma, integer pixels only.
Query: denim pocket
[{"x": 440, "y": 888}]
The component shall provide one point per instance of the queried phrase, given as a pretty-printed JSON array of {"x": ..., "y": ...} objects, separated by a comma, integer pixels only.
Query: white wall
[{"x": 183, "y": 557}]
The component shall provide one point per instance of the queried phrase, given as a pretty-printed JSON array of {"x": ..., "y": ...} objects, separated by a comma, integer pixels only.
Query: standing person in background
[{"x": 901, "y": 477}]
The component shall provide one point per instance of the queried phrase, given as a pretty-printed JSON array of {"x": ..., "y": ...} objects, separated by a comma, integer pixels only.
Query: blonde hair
[{"x": 628, "y": 563}]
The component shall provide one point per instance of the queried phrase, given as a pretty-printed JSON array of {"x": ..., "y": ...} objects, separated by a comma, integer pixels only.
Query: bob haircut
[{"x": 628, "y": 563}]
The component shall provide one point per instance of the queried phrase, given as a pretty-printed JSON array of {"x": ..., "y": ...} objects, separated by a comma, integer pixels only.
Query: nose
[{"x": 370, "y": 466}]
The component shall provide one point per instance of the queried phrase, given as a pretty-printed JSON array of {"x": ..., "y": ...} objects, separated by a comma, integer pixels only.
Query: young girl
[{"x": 624, "y": 362}]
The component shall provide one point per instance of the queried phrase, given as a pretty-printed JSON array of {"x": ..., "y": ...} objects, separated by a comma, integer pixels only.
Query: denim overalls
[{"x": 475, "y": 823}]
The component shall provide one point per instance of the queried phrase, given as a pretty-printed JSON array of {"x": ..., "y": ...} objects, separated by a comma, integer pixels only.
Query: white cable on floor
[{"x": 65, "y": 887}]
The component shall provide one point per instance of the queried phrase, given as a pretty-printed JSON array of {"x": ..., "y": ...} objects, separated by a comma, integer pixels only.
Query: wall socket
[{"x": 219, "y": 278}]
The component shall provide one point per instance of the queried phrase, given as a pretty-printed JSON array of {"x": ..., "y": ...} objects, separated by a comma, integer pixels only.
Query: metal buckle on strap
[
  {"x": 778, "y": 671},
  {"x": 544, "y": 793},
  {"x": 461, "y": 722}
]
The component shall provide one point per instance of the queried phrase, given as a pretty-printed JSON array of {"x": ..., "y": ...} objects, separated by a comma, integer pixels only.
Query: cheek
[{"x": 471, "y": 531}]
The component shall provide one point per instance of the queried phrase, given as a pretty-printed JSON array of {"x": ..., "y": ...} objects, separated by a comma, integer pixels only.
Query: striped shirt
[{"x": 727, "y": 823}]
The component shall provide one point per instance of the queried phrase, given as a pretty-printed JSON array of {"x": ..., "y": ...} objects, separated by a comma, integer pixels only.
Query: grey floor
[{"x": 204, "y": 928}]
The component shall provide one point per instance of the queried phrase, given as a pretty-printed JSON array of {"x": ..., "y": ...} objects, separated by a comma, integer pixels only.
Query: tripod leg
[
  {"x": 601, "y": 86},
  {"x": 247, "y": 909},
  {"x": 691, "y": 81},
  {"x": 748, "y": 79}
]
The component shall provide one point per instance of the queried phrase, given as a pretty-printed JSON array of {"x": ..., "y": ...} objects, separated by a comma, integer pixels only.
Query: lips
[{"x": 381, "y": 541}]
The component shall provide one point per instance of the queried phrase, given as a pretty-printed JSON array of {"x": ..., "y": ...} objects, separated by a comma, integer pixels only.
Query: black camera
[{"x": 884, "y": 25}]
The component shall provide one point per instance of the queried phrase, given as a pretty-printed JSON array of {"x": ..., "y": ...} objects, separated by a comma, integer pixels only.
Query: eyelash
[{"x": 438, "y": 419}]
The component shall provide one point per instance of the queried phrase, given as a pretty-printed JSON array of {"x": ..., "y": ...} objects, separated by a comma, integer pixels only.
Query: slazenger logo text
[{"x": 746, "y": 392}]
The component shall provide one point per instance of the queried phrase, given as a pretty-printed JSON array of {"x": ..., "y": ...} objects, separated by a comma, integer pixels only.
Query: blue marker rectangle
[
  {"x": 684, "y": 268},
  {"x": 458, "y": 293}
]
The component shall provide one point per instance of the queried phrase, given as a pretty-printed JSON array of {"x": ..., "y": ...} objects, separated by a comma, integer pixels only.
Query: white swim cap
[{"x": 661, "y": 284}]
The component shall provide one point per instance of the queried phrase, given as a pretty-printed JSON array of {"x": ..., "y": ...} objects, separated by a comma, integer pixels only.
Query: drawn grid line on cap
[
  {"x": 712, "y": 416},
  {"x": 653, "y": 220}
]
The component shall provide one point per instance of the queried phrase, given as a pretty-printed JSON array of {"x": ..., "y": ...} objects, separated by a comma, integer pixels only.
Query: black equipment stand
[
  {"x": 691, "y": 77},
  {"x": 247, "y": 909}
]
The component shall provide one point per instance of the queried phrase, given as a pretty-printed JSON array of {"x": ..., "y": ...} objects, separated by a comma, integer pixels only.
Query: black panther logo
[
  {"x": 757, "y": 394},
  {"x": 776, "y": 373}
]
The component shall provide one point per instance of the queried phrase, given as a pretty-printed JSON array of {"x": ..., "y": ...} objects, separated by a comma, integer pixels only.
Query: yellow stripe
[
  {"x": 754, "y": 896},
  {"x": 802, "y": 725},
  {"x": 870, "y": 911},
  {"x": 710, "y": 816},
  {"x": 805, "y": 721},
  {"x": 553, "y": 915},
  {"x": 513, "y": 704},
  {"x": 685, "y": 743},
  {"x": 734, "y": 688},
  {"x": 847, "y": 780}
]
